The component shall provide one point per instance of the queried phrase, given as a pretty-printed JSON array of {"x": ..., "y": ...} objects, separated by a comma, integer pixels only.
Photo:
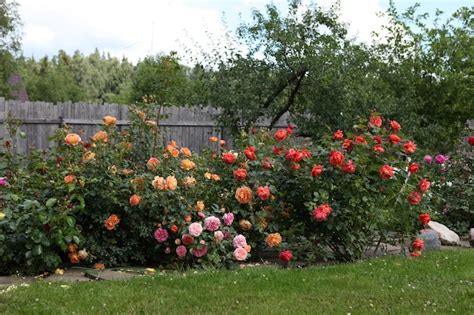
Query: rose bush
[{"x": 128, "y": 201}]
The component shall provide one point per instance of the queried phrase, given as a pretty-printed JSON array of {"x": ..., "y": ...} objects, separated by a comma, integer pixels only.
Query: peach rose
[
  {"x": 200, "y": 205},
  {"x": 189, "y": 181},
  {"x": 159, "y": 183},
  {"x": 273, "y": 240},
  {"x": 187, "y": 165},
  {"x": 152, "y": 164},
  {"x": 88, "y": 156},
  {"x": 172, "y": 150},
  {"x": 215, "y": 177},
  {"x": 243, "y": 195},
  {"x": 207, "y": 175},
  {"x": 171, "y": 183},
  {"x": 69, "y": 179},
  {"x": 111, "y": 222},
  {"x": 99, "y": 266},
  {"x": 72, "y": 139},
  {"x": 185, "y": 151},
  {"x": 100, "y": 136},
  {"x": 109, "y": 120},
  {"x": 245, "y": 225},
  {"x": 213, "y": 139}
]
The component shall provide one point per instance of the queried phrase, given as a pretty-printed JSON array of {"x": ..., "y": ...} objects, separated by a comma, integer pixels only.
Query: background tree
[{"x": 10, "y": 42}]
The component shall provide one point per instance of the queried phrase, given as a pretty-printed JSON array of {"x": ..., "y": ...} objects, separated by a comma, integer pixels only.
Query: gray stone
[
  {"x": 110, "y": 275},
  {"x": 446, "y": 236},
  {"x": 431, "y": 239}
]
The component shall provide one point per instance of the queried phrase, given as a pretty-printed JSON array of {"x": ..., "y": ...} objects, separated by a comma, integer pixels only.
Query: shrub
[{"x": 126, "y": 200}]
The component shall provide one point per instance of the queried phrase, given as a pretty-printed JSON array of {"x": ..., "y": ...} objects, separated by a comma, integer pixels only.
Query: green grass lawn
[{"x": 441, "y": 282}]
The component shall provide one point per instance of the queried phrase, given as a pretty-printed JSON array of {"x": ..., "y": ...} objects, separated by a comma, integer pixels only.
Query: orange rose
[
  {"x": 187, "y": 165},
  {"x": 172, "y": 150},
  {"x": 187, "y": 218},
  {"x": 273, "y": 240},
  {"x": 134, "y": 200},
  {"x": 72, "y": 139},
  {"x": 245, "y": 225},
  {"x": 200, "y": 205},
  {"x": 248, "y": 248},
  {"x": 213, "y": 139},
  {"x": 171, "y": 183},
  {"x": 185, "y": 151},
  {"x": 152, "y": 164},
  {"x": 69, "y": 179},
  {"x": 243, "y": 195},
  {"x": 173, "y": 144},
  {"x": 74, "y": 258},
  {"x": 109, "y": 120},
  {"x": 222, "y": 142},
  {"x": 111, "y": 222},
  {"x": 71, "y": 248},
  {"x": 88, "y": 156},
  {"x": 99, "y": 266},
  {"x": 215, "y": 177},
  {"x": 100, "y": 136}
]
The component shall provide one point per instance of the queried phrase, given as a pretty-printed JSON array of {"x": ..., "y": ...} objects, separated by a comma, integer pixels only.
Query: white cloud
[{"x": 141, "y": 27}]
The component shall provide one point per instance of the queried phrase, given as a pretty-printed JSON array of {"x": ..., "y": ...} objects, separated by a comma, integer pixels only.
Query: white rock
[
  {"x": 471, "y": 237},
  {"x": 446, "y": 236}
]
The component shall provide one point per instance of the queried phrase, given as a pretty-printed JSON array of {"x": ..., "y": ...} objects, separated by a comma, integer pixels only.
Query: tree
[{"x": 10, "y": 42}]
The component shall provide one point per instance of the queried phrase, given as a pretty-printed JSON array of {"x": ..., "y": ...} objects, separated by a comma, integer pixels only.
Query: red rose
[
  {"x": 424, "y": 218},
  {"x": 285, "y": 256},
  {"x": 418, "y": 244},
  {"x": 266, "y": 164},
  {"x": 174, "y": 228},
  {"x": 295, "y": 166},
  {"x": 386, "y": 172},
  {"x": 414, "y": 198},
  {"x": 413, "y": 168},
  {"x": 306, "y": 153},
  {"x": 187, "y": 239},
  {"x": 240, "y": 174},
  {"x": 378, "y": 148},
  {"x": 349, "y": 167},
  {"x": 416, "y": 253},
  {"x": 277, "y": 150},
  {"x": 360, "y": 140},
  {"x": 294, "y": 155},
  {"x": 290, "y": 128},
  {"x": 229, "y": 157},
  {"x": 250, "y": 153},
  {"x": 410, "y": 147},
  {"x": 424, "y": 185},
  {"x": 336, "y": 158},
  {"x": 378, "y": 139},
  {"x": 376, "y": 121},
  {"x": 316, "y": 170},
  {"x": 263, "y": 192},
  {"x": 322, "y": 212},
  {"x": 394, "y": 139},
  {"x": 338, "y": 135},
  {"x": 281, "y": 134},
  {"x": 470, "y": 140},
  {"x": 347, "y": 144},
  {"x": 395, "y": 126}
]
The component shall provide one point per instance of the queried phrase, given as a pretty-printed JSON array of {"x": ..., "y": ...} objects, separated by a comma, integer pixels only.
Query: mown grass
[{"x": 439, "y": 282}]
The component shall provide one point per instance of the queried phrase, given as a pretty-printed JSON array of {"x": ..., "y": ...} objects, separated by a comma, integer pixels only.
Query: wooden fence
[{"x": 189, "y": 126}]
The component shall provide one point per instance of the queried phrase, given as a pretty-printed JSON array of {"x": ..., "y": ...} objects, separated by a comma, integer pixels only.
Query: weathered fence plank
[{"x": 188, "y": 126}]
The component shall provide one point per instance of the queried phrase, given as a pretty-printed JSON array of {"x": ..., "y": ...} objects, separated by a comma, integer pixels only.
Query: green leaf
[
  {"x": 50, "y": 203},
  {"x": 37, "y": 250}
]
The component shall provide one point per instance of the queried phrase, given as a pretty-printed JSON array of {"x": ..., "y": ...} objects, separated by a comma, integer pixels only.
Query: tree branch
[
  {"x": 291, "y": 100},
  {"x": 282, "y": 86}
]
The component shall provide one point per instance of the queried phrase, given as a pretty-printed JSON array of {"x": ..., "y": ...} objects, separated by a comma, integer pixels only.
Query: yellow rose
[{"x": 2, "y": 216}]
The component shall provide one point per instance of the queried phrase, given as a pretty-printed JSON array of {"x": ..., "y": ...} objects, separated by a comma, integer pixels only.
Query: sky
[{"x": 138, "y": 28}]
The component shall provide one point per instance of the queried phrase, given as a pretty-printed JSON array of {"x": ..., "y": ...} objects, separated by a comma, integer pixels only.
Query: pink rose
[
  {"x": 212, "y": 223},
  {"x": 200, "y": 251},
  {"x": 161, "y": 235},
  {"x": 181, "y": 251},
  {"x": 201, "y": 215},
  {"x": 195, "y": 229},
  {"x": 218, "y": 236},
  {"x": 239, "y": 241},
  {"x": 240, "y": 254},
  {"x": 228, "y": 218}
]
